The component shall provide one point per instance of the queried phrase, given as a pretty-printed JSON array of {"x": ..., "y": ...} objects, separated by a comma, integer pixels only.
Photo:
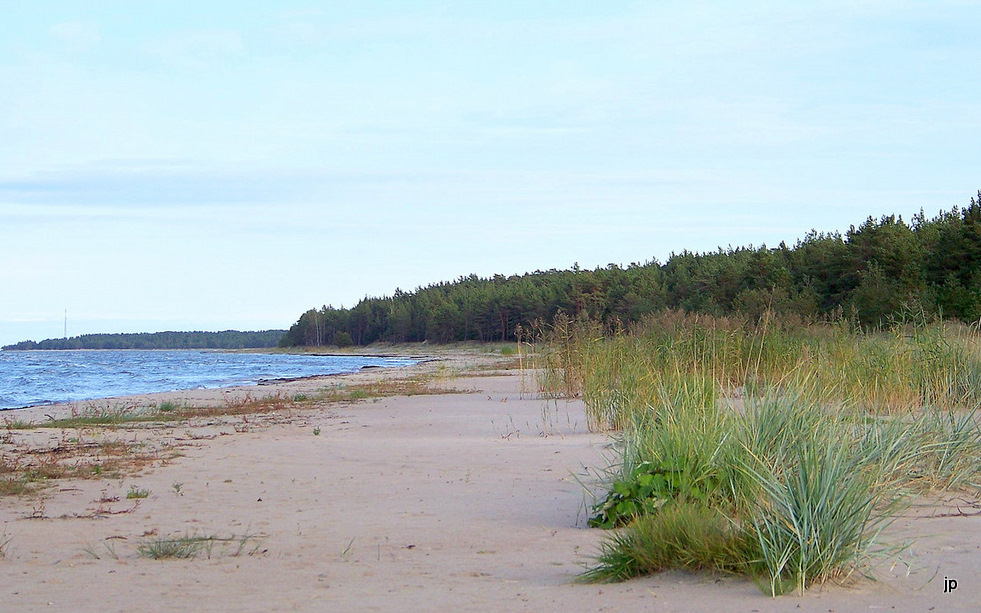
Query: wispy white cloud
[
  {"x": 198, "y": 49},
  {"x": 79, "y": 35}
]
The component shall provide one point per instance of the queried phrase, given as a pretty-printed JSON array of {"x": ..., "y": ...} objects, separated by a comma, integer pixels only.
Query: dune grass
[
  {"x": 912, "y": 365},
  {"x": 190, "y": 546},
  {"x": 787, "y": 491},
  {"x": 778, "y": 450}
]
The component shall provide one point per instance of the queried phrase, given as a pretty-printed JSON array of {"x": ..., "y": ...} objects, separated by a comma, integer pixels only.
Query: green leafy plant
[{"x": 646, "y": 489}]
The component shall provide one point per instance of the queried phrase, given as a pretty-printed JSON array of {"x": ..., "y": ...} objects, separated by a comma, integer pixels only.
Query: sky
[{"x": 215, "y": 165}]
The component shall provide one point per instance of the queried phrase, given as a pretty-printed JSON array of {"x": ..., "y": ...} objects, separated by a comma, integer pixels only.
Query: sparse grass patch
[
  {"x": 167, "y": 411},
  {"x": 178, "y": 548},
  {"x": 17, "y": 424},
  {"x": 96, "y": 554},
  {"x": 169, "y": 406},
  {"x": 249, "y": 405},
  {"x": 410, "y": 386},
  {"x": 12, "y": 480},
  {"x": 27, "y": 469},
  {"x": 137, "y": 493},
  {"x": 191, "y": 546},
  {"x": 104, "y": 417},
  {"x": 10, "y": 486}
]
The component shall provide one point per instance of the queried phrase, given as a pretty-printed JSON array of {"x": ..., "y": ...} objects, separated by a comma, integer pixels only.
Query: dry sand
[{"x": 441, "y": 502}]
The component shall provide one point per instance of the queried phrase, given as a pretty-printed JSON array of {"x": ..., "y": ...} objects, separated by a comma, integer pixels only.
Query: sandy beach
[{"x": 468, "y": 500}]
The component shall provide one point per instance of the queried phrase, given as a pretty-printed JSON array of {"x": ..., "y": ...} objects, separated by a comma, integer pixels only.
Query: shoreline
[
  {"x": 471, "y": 499},
  {"x": 200, "y": 396},
  {"x": 262, "y": 382},
  {"x": 230, "y": 388}
]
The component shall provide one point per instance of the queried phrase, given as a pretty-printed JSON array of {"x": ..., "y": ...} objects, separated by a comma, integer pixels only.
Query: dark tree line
[
  {"x": 871, "y": 274},
  {"x": 229, "y": 339}
]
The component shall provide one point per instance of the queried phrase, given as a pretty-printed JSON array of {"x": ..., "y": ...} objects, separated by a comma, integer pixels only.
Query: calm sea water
[{"x": 30, "y": 378}]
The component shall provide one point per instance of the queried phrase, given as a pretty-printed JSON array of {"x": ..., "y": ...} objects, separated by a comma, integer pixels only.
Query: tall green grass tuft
[
  {"x": 687, "y": 535},
  {"x": 818, "y": 499}
]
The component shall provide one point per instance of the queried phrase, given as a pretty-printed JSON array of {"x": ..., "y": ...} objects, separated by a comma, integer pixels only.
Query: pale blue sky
[{"x": 213, "y": 165}]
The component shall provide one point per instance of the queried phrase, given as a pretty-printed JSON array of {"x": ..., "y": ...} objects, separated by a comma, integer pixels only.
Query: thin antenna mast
[{"x": 66, "y": 323}]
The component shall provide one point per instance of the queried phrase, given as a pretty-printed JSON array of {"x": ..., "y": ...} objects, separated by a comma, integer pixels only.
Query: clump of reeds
[{"x": 887, "y": 371}]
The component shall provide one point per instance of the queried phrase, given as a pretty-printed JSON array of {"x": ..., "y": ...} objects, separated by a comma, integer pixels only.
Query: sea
[{"x": 33, "y": 378}]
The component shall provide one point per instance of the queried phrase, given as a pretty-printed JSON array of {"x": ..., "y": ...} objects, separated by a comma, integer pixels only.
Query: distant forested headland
[
  {"x": 872, "y": 275},
  {"x": 229, "y": 339}
]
